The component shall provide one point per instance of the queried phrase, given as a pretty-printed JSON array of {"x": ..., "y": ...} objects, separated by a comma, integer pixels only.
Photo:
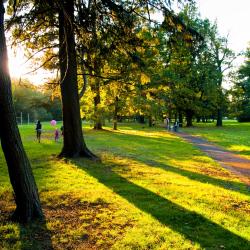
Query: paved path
[{"x": 227, "y": 159}]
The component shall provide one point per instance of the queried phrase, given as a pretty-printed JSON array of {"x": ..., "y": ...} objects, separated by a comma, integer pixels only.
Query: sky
[{"x": 232, "y": 17}]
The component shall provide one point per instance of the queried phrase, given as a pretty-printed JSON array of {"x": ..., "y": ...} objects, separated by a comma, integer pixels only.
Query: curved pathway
[{"x": 227, "y": 159}]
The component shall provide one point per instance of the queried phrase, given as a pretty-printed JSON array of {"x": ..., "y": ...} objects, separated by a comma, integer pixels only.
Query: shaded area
[
  {"x": 192, "y": 225},
  {"x": 238, "y": 165},
  {"x": 29, "y": 236},
  {"x": 35, "y": 236}
]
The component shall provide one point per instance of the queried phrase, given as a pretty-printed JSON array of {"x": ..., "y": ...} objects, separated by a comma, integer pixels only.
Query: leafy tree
[
  {"x": 223, "y": 58},
  {"x": 241, "y": 91},
  {"x": 82, "y": 23},
  {"x": 193, "y": 69}
]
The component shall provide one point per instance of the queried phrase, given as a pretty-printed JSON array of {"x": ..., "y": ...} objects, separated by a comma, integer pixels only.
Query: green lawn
[
  {"x": 233, "y": 135},
  {"x": 152, "y": 190}
]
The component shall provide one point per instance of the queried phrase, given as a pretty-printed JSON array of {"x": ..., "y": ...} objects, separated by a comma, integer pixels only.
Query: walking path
[{"x": 227, "y": 159}]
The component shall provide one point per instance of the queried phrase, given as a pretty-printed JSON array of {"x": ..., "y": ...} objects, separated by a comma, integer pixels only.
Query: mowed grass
[
  {"x": 151, "y": 190},
  {"x": 232, "y": 135}
]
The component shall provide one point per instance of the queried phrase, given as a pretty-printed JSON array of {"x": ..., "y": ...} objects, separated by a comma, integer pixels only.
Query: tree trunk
[
  {"x": 150, "y": 121},
  {"x": 73, "y": 144},
  {"x": 141, "y": 119},
  {"x": 27, "y": 200},
  {"x": 115, "y": 120},
  {"x": 189, "y": 117},
  {"x": 97, "y": 101},
  {"x": 221, "y": 99},
  {"x": 180, "y": 119},
  {"x": 219, "y": 118}
]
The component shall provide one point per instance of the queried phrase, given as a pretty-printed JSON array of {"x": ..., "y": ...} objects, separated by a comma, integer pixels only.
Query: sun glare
[
  {"x": 16, "y": 66},
  {"x": 19, "y": 69}
]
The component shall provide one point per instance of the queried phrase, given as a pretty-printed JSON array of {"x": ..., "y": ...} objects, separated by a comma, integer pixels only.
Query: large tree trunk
[
  {"x": 150, "y": 121},
  {"x": 141, "y": 119},
  {"x": 189, "y": 117},
  {"x": 97, "y": 101},
  {"x": 115, "y": 119},
  {"x": 219, "y": 118},
  {"x": 180, "y": 119},
  {"x": 221, "y": 99},
  {"x": 73, "y": 144},
  {"x": 27, "y": 200}
]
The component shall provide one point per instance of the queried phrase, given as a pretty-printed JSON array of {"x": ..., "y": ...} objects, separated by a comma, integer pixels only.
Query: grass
[
  {"x": 232, "y": 135},
  {"x": 152, "y": 190}
]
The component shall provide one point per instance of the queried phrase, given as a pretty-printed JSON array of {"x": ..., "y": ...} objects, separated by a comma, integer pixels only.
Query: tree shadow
[
  {"x": 192, "y": 225},
  {"x": 136, "y": 141},
  {"x": 35, "y": 236},
  {"x": 229, "y": 185}
]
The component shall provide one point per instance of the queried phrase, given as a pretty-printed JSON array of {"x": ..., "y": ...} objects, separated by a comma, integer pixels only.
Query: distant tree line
[{"x": 37, "y": 102}]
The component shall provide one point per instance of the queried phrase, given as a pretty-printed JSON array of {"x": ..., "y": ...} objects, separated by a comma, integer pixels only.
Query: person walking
[
  {"x": 38, "y": 130},
  {"x": 56, "y": 135},
  {"x": 167, "y": 123}
]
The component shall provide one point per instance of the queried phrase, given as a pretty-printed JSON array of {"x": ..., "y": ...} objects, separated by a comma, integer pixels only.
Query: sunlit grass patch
[
  {"x": 151, "y": 190},
  {"x": 232, "y": 136}
]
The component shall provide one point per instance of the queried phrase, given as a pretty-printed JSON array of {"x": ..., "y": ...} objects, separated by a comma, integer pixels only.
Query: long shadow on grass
[
  {"x": 193, "y": 226},
  {"x": 230, "y": 185},
  {"x": 35, "y": 236},
  {"x": 137, "y": 141}
]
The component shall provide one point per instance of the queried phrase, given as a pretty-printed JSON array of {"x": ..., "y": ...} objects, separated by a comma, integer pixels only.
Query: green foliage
[
  {"x": 39, "y": 104},
  {"x": 241, "y": 91},
  {"x": 153, "y": 70}
]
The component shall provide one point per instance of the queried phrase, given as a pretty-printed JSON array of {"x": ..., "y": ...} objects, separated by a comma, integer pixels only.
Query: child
[{"x": 56, "y": 135}]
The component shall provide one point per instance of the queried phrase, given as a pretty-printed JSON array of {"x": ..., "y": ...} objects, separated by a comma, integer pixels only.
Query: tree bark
[
  {"x": 97, "y": 101},
  {"x": 115, "y": 119},
  {"x": 220, "y": 104},
  {"x": 73, "y": 144},
  {"x": 150, "y": 121},
  {"x": 189, "y": 117},
  {"x": 219, "y": 118},
  {"x": 141, "y": 119},
  {"x": 27, "y": 200}
]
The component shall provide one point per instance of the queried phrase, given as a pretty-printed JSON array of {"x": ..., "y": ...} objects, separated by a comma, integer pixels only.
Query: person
[
  {"x": 62, "y": 130},
  {"x": 38, "y": 130},
  {"x": 176, "y": 126},
  {"x": 167, "y": 123},
  {"x": 56, "y": 135}
]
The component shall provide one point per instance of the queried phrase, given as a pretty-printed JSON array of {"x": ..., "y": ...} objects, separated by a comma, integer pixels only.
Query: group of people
[
  {"x": 39, "y": 132},
  {"x": 168, "y": 125}
]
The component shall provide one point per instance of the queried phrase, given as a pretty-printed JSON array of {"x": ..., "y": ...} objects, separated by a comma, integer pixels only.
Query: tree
[
  {"x": 77, "y": 18},
  {"x": 241, "y": 91},
  {"x": 74, "y": 144},
  {"x": 27, "y": 200},
  {"x": 223, "y": 58}
]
